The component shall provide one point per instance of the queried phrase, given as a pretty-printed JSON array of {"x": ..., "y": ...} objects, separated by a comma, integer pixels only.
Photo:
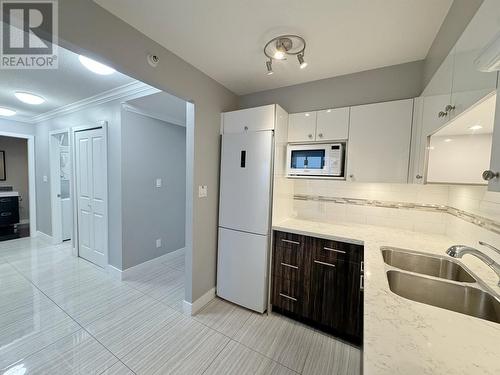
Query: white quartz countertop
[
  {"x": 9, "y": 194},
  {"x": 406, "y": 337}
]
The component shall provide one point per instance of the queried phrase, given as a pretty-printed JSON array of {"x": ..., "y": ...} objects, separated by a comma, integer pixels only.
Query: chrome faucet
[{"x": 458, "y": 251}]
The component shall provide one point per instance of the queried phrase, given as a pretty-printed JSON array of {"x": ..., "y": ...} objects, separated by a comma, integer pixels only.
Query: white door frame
[
  {"x": 73, "y": 130},
  {"x": 31, "y": 176},
  {"x": 54, "y": 179}
]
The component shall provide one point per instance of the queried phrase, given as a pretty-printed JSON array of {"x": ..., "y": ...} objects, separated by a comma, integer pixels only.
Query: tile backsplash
[{"x": 474, "y": 199}]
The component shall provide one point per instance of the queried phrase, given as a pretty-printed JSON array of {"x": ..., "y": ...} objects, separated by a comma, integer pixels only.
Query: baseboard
[
  {"x": 143, "y": 267},
  {"x": 192, "y": 308},
  {"x": 114, "y": 272},
  {"x": 44, "y": 235}
]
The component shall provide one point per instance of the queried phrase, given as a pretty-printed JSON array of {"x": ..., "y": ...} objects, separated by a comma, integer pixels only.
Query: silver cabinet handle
[
  {"x": 362, "y": 283},
  {"x": 290, "y": 241},
  {"x": 288, "y": 297},
  {"x": 442, "y": 114},
  {"x": 334, "y": 250},
  {"x": 362, "y": 266},
  {"x": 289, "y": 265},
  {"x": 418, "y": 176},
  {"x": 449, "y": 108},
  {"x": 324, "y": 263},
  {"x": 490, "y": 175}
]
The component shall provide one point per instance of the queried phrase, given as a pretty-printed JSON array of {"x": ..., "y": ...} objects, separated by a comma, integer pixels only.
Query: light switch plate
[
  {"x": 202, "y": 191},
  {"x": 158, "y": 182},
  {"x": 45, "y": 179},
  {"x": 158, "y": 242}
]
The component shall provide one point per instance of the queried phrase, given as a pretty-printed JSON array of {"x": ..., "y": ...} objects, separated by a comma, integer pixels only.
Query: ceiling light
[
  {"x": 28, "y": 98},
  {"x": 6, "y": 112},
  {"x": 447, "y": 140},
  {"x": 95, "y": 66},
  {"x": 302, "y": 63},
  {"x": 475, "y": 127},
  {"x": 307, "y": 114},
  {"x": 285, "y": 45},
  {"x": 269, "y": 65}
]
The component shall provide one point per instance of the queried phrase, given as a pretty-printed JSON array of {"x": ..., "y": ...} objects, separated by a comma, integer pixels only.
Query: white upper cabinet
[
  {"x": 251, "y": 119},
  {"x": 325, "y": 125},
  {"x": 302, "y": 127},
  {"x": 494, "y": 183},
  {"x": 379, "y": 142},
  {"x": 332, "y": 124},
  {"x": 470, "y": 84}
]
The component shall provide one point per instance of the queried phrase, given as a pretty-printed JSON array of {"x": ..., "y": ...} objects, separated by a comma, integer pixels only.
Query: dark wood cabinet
[{"x": 320, "y": 282}]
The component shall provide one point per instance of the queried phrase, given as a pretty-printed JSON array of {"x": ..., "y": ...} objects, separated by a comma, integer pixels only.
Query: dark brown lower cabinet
[{"x": 322, "y": 287}]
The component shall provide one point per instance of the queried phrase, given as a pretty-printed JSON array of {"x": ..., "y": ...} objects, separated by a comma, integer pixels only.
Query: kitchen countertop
[
  {"x": 9, "y": 194},
  {"x": 406, "y": 337}
]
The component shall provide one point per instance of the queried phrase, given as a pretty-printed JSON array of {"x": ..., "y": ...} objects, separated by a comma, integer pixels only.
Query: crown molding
[
  {"x": 129, "y": 89},
  {"x": 157, "y": 116}
]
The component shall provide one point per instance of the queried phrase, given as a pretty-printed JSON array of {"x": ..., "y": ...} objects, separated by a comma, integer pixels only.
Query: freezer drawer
[
  {"x": 242, "y": 268},
  {"x": 245, "y": 182}
]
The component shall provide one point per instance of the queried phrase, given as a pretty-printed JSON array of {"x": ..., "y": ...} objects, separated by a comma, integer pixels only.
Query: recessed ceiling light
[
  {"x": 29, "y": 98},
  {"x": 447, "y": 140},
  {"x": 475, "y": 127},
  {"x": 328, "y": 110},
  {"x": 6, "y": 112},
  {"x": 307, "y": 115},
  {"x": 95, "y": 66}
]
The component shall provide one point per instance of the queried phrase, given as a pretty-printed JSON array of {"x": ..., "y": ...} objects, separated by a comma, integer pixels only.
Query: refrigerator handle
[{"x": 243, "y": 158}]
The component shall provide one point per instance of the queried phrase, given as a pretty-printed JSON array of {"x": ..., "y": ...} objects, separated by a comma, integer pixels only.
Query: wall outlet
[
  {"x": 202, "y": 191},
  {"x": 158, "y": 182},
  {"x": 158, "y": 243},
  {"x": 45, "y": 179}
]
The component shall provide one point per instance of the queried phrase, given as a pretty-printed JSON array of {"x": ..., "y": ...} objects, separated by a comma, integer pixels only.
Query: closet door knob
[
  {"x": 418, "y": 177},
  {"x": 442, "y": 114},
  {"x": 320, "y": 135},
  {"x": 449, "y": 108},
  {"x": 310, "y": 136}
]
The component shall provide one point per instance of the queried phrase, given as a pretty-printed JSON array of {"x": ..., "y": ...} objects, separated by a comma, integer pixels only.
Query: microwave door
[{"x": 305, "y": 161}]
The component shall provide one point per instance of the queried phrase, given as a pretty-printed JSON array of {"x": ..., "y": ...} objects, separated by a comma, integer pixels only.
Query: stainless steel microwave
[{"x": 315, "y": 159}]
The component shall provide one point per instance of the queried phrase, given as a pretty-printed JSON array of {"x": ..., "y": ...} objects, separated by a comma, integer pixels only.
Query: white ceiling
[
  {"x": 70, "y": 83},
  {"x": 225, "y": 38}
]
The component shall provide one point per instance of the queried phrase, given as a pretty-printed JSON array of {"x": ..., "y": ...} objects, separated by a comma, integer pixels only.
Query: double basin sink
[{"x": 441, "y": 282}]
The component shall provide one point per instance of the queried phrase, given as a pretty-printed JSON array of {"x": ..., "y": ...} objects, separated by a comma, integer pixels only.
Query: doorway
[
  {"x": 91, "y": 192},
  {"x": 60, "y": 185}
]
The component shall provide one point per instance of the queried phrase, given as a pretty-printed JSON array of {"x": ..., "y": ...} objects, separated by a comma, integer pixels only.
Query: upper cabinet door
[
  {"x": 332, "y": 124},
  {"x": 302, "y": 127},
  {"x": 470, "y": 84},
  {"x": 379, "y": 142},
  {"x": 251, "y": 119}
]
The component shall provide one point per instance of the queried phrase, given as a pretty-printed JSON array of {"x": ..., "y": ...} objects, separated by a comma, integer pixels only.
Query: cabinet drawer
[
  {"x": 251, "y": 119},
  {"x": 290, "y": 296},
  {"x": 288, "y": 256},
  {"x": 9, "y": 203},
  {"x": 334, "y": 251}
]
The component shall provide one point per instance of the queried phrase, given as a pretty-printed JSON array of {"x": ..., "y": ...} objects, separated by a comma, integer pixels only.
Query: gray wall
[
  {"x": 457, "y": 19},
  {"x": 377, "y": 85},
  {"x": 84, "y": 27},
  {"x": 16, "y": 166},
  {"x": 152, "y": 149}
]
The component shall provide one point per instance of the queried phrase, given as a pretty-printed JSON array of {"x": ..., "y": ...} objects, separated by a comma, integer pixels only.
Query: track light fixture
[
  {"x": 282, "y": 46},
  {"x": 269, "y": 66}
]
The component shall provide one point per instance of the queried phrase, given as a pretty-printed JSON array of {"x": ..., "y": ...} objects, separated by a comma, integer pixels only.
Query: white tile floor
[{"x": 62, "y": 315}]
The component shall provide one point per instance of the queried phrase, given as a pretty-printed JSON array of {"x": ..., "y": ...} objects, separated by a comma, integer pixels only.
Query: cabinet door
[
  {"x": 379, "y": 142},
  {"x": 302, "y": 127},
  {"x": 251, "y": 119},
  {"x": 494, "y": 184},
  {"x": 470, "y": 84},
  {"x": 332, "y": 124}
]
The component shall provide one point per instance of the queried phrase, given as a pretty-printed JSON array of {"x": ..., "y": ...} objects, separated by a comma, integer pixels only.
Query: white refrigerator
[{"x": 244, "y": 218}]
